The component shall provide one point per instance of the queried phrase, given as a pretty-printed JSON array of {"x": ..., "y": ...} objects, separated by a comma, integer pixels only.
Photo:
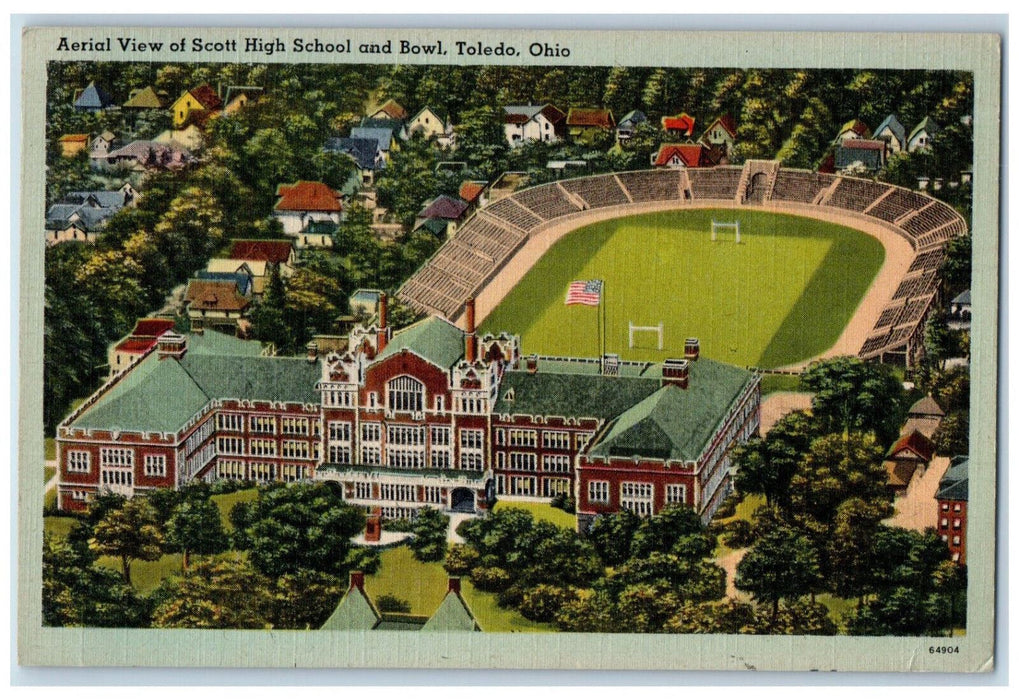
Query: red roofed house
[
  {"x": 139, "y": 341},
  {"x": 445, "y": 213},
  {"x": 585, "y": 125},
  {"x": 257, "y": 258},
  {"x": 681, "y": 155},
  {"x": 679, "y": 125},
  {"x": 720, "y": 135},
  {"x": 391, "y": 109},
  {"x": 215, "y": 305},
  {"x": 475, "y": 194},
  {"x": 910, "y": 454},
  {"x": 72, "y": 144},
  {"x": 196, "y": 104},
  {"x": 303, "y": 204},
  {"x": 853, "y": 129}
]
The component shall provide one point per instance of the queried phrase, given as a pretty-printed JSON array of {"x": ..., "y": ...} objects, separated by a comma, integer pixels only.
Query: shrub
[
  {"x": 461, "y": 559},
  {"x": 739, "y": 534},
  {"x": 727, "y": 508},
  {"x": 490, "y": 578},
  {"x": 565, "y": 502},
  {"x": 390, "y": 603},
  {"x": 544, "y": 601},
  {"x": 511, "y": 597}
]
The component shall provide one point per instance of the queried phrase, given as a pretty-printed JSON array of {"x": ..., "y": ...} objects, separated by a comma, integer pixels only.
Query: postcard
[{"x": 508, "y": 349}]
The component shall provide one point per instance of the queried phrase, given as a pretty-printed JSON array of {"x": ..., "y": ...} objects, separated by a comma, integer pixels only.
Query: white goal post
[
  {"x": 720, "y": 225},
  {"x": 648, "y": 329}
]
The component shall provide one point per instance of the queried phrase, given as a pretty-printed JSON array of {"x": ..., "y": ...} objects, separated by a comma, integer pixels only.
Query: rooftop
[
  {"x": 305, "y": 195},
  {"x": 435, "y": 339},
  {"x": 601, "y": 118},
  {"x": 267, "y": 251}
]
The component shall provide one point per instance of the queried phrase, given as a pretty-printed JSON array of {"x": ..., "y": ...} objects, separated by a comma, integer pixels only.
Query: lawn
[
  {"x": 424, "y": 585},
  {"x": 783, "y": 295},
  {"x": 227, "y": 501},
  {"x": 744, "y": 511},
  {"x": 50, "y": 449},
  {"x": 771, "y": 383},
  {"x": 542, "y": 511}
]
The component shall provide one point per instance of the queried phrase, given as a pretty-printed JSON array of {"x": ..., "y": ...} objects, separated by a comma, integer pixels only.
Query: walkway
[{"x": 917, "y": 509}]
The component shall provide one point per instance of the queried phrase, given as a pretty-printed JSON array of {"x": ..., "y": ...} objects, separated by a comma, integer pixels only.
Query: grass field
[
  {"x": 541, "y": 511},
  {"x": 783, "y": 295},
  {"x": 423, "y": 585}
]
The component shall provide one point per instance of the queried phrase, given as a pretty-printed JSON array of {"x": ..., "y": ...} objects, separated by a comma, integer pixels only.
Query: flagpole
[{"x": 604, "y": 323}]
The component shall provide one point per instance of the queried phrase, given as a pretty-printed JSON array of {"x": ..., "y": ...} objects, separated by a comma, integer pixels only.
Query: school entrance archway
[{"x": 461, "y": 500}]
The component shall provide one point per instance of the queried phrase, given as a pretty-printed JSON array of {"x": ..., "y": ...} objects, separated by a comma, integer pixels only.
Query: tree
[
  {"x": 190, "y": 230},
  {"x": 855, "y": 396},
  {"x": 304, "y": 600},
  {"x": 723, "y": 617},
  {"x": 429, "y": 528},
  {"x": 783, "y": 564},
  {"x": 77, "y": 593},
  {"x": 612, "y": 535},
  {"x": 222, "y": 592},
  {"x": 850, "y": 550},
  {"x": 952, "y": 436},
  {"x": 129, "y": 532},
  {"x": 766, "y": 465},
  {"x": 544, "y": 601},
  {"x": 195, "y": 527},
  {"x": 677, "y": 529},
  {"x": 288, "y": 528}
]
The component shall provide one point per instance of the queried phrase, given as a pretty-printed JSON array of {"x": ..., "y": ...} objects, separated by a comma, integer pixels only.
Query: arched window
[{"x": 406, "y": 394}]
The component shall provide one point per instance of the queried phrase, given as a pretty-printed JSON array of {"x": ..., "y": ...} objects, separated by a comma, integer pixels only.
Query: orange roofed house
[
  {"x": 679, "y": 125},
  {"x": 257, "y": 259},
  {"x": 304, "y": 207},
  {"x": 586, "y": 125},
  {"x": 216, "y": 305},
  {"x": 681, "y": 155},
  {"x": 137, "y": 343}
]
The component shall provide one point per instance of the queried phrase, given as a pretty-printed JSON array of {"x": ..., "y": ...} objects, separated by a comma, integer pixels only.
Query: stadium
[{"x": 772, "y": 267}]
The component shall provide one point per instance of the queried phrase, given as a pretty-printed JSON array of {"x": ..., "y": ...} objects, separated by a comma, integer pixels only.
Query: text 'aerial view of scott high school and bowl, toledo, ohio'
[{"x": 507, "y": 348}]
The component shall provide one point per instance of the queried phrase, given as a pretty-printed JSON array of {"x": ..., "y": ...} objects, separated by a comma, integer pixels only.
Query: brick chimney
[
  {"x": 383, "y": 336},
  {"x": 373, "y": 526},
  {"x": 357, "y": 581},
  {"x": 532, "y": 363},
  {"x": 692, "y": 349},
  {"x": 676, "y": 373},
  {"x": 312, "y": 352},
  {"x": 172, "y": 344},
  {"x": 471, "y": 350},
  {"x": 454, "y": 584}
]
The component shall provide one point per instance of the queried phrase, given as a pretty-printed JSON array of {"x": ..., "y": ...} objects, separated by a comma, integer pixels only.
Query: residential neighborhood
[{"x": 269, "y": 299}]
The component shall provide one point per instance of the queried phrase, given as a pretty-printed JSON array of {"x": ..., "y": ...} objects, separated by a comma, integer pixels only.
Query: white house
[
  {"x": 523, "y": 123},
  {"x": 893, "y": 133},
  {"x": 427, "y": 123},
  {"x": 920, "y": 137},
  {"x": 305, "y": 205}
]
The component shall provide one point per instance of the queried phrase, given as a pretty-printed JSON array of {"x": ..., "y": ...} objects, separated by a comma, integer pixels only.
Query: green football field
[{"x": 782, "y": 295}]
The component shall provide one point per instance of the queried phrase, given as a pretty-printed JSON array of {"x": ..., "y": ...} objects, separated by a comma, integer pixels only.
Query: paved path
[
  {"x": 52, "y": 483},
  {"x": 781, "y": 403},
  {"x": 454, "y": 521},
  {"x": 729, "y": 562},
  {"x": 917, "y": 509}
]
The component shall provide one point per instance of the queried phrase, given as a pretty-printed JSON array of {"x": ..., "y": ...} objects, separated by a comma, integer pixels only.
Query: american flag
[{"x": 584, "y": 292}]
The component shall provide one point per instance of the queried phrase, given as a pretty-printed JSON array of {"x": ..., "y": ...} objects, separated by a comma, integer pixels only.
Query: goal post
[
  {"x": 659, "y": 329},
  {"x": 717, "y": 226}
]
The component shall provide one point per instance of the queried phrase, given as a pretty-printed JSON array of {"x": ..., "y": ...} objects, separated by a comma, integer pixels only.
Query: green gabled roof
[
  {"x": 257, "y": 378},
  {"x": 570, "y": 395},
  {"x": 156, "y": 396},
  {"x": 435, "y": 339},
  {"x": 453, "y": 615},
  {"x": 401, "y": 622},
  {"x": 676, "y": 423},
  {"x": 954, "y": 485},
  {"x": 926, "y": 124},
  {"x": 355, "y": 612}
]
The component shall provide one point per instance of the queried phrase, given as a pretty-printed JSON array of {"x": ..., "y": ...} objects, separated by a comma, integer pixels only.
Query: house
[
  {"x": 258, "y": 258},
  {"x": 243, "y": 277},
  {"x": 99, "y": 148},
  {"x": 893, "y": 133},
  {"x": 924, "y": 416},
  {"x": 142, "y": 338},
  {"x": 853, "y": 129},
  {"x": 92, "y": 99},
  {"x": 302, "y": 203},
  {"x": 427, "y": 123},
  {"x": 390, "y": 109},
  {"x": 433, "y": 415},
  {"x": 397, "y": 127},
  {"x": 444, "y": 208},
  {"x": 628, "y": 124},
  {"x": 81, "y": 216},
  {"x": 910, "y": 454},
  {"x": 364, "y": 152},
  {"x": 365, "y": 302},
  {"x": 920, "y": 137},
  {"x": 679, "y": 125},
  {"x": 216, "y": 305},
  {"x": 237, "y": 97},
  {"x": 586, "y": 125},
  {"x": 681, "y": 155},
  {"x": 720, "y": 135},
  {"x": 190, "y": 138},
  {"x": 566, "y": 168},
  {"x": 961, "y": 307},
  {"x": 383, "y": 136},
  {"x": 196, "y": 104},
  {"x": 952, "y": 497},
  {"x": 523, "y": 123},
  {"x": 72, "y": 144},
  {"x": 150, "y": 155},
  {"x": 357, "y": 611},
  {"x": 473, "y": 192},
  {"x": 868, "y": 153},
  {"x": 145, "y": 98}
]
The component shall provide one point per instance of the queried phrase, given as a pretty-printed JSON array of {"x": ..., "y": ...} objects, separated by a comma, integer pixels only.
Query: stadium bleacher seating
[
  {"x": 547, "y": 201},
  {"x": 600, "y": 191},
  {"x": 897, "y": 203},
  {"x": 714, "y": 183},
  {"x": 798, "y": 186},
  {"x": 652, "y": 185},
  {"x": 856, "y": 195}
]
